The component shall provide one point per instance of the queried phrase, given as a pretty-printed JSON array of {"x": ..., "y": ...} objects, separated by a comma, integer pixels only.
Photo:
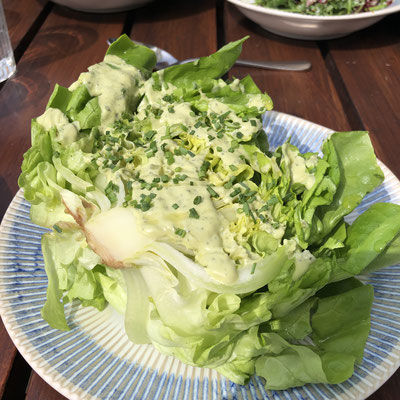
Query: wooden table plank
[
  {"x": 187, "y": 30},
  {"x": 390, "y": 390},
  {"x": 38, "y": 389},
  {"x": 309, "y": 95},
  {"x": 20, "y": 16},
  {"x": 7, "y": 354},
  {"x": 369, "y": 64}
]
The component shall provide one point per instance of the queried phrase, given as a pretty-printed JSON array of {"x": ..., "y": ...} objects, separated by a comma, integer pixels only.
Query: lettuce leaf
[
  {"x": 210, "y": 67},
  {"x": 139, "y": 56}
]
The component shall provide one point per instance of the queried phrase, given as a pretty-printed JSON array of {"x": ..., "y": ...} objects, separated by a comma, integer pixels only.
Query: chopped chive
[
  {"x": 150, "y": 134},
  {"x": 253, "y": 268},
  {"x": 164, "y": 178},
  {"x": 239, "y": 135},
  {"x": 175, "y": 206},
  {"x": 183, "y": 151},
  {"x": 170, "y": 157},
  {"x": 57, "y": 228},
  {"x": 212, "y": 192},
  {"x": 235, "y": 192},
  {"x": 271, "y": 201},
  {"x": 193, "y": 213},
  {"x": 219, "y": 148},
  {"x": 180, "y": 232},
  {"x": 233, "y": 167},
  {"x": 253, "y": 122},
  {"x": 145, "y": 206},
  {"x": 263, "y": 218},
  {"x": 197, "y": 200},
  {"x": 168, "y": 98}
]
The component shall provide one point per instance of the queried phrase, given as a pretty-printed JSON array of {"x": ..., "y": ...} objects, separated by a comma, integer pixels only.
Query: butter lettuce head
[{"x": 294, "y": 312}]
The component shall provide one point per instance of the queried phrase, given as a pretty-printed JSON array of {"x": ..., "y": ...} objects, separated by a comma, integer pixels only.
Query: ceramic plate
[
  {"x": 311, "y": 27},
  {"x": 95, "y": 360}
]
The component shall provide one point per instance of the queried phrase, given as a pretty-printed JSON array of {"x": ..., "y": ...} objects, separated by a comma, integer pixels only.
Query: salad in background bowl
[{"x": 311, "y": 20}]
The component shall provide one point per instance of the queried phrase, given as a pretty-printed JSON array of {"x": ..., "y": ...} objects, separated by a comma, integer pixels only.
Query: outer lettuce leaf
[
  {"x": 372, "y": 240},
  {"x": 59, "y": 98},
  {"x": 53, "y": 309},
  {"x": 341, "y": 322},
  {"x": 296, "y": 324},
  {"x": 359, "y": 175},
  {"x": 140, "y": 57},
  {"x": 248, "y": 280},
  {"x": 211, "y": 67},
  {"x": 74, "y": 272},
  {"x": 340, "y": 327}
]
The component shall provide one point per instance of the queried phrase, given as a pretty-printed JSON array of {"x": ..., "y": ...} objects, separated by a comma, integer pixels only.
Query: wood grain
[
  {"x": 186, "y": 28},
  {"x": 309, "y": 95},
  {"x": 7, "y": 354},
  {"x": 390, "y": 390},
  {"x": 369, "y": 64},
  {"x": 20, "y": 16},
  {"x": 38, "y": 389}
]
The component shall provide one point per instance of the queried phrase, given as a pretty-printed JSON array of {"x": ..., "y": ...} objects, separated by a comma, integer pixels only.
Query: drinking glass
[{"x": 7, "y": 63}]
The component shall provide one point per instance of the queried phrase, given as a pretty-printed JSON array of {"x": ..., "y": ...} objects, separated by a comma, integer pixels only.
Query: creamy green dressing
[
  {"x": 299, "y": 166},
  {"x": 213, "y": 231},
  {"x": 115, "y": 83},
  {"x": 67, "y": 131}
]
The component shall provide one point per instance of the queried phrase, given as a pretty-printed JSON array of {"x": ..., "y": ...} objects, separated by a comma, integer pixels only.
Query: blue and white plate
[{"x": 95, "y": 360}]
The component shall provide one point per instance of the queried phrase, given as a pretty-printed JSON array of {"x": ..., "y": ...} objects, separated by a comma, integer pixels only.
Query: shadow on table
[
  {"x": 5, "y": 197},
  {"x": 173, "y": 9},
  {"x": 384, "y": 33}
]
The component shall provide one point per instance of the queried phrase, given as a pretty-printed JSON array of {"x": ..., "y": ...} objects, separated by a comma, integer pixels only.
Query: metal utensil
[{"x": 165, "y": 59}]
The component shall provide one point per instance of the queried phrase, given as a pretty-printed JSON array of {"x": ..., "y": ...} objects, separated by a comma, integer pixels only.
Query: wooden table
[{"x": 354, "y": 83}]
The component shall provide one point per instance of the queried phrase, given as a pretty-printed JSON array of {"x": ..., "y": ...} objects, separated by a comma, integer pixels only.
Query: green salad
[
  {"x": 324, "y": 7},
  {"x": 165, "y": 201}
]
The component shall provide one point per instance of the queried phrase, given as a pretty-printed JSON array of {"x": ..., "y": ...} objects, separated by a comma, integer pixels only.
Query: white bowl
[
  {"x": 311, "y": 27},
  {"x": 102, "y": 6}
]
